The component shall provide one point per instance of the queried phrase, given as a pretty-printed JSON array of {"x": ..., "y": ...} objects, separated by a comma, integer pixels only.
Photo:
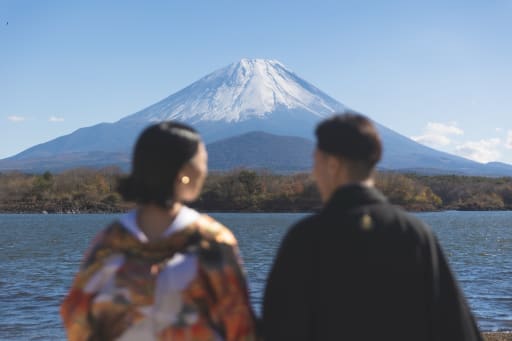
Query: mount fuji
[
  {"x": 251, "y": 95},
  {"x": 254, "y": 113}
]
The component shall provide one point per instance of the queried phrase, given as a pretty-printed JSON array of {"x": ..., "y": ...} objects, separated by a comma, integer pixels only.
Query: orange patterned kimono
[{"x": 188, "y": 285}]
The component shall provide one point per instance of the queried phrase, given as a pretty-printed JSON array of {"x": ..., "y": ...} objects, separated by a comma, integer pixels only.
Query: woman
[{"x": 162, "y": 271}]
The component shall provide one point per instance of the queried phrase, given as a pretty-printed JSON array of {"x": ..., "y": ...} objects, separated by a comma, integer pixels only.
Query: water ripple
[{"x": 39, "y": 255}]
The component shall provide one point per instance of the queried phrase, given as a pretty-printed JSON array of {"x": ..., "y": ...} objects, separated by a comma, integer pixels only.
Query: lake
[{"x": 39, "y": 255}]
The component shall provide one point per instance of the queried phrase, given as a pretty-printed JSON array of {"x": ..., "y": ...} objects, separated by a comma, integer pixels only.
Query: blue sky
[{"x": 436, "y": 71}]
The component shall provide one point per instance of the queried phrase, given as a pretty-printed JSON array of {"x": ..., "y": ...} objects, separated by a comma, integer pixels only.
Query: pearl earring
[{"x": 185, "y": 180}]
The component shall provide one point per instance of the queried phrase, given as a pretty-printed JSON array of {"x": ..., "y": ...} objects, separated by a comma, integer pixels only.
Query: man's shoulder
[
  {"x": 394, "y": 218},
  {"x": 402, "y": 215},
  {"x": 303, "y": 230},
  {"x": 306, "y": 224},
  {"x": 391, "y": 212},
  {"x": 380, "y": 217}
]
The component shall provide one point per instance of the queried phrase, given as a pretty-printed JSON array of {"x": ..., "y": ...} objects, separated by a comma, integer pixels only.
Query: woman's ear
[{"x": 181, "y": 182}]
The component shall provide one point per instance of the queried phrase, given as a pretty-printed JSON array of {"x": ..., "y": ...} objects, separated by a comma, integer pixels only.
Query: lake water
[{"x": 40, "y": 253}]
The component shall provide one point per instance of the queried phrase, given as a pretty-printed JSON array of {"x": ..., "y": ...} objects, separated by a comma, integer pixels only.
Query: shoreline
[
  {"x": 234, "y": 211},
  {"x": 497, "y": 336}
]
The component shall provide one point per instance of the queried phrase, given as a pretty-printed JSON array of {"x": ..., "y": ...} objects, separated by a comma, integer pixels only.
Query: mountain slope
[
  {"x": 402, "y": 155},
  {"x": 260, "y": 150},
  {"x": 292, "y": 154}
]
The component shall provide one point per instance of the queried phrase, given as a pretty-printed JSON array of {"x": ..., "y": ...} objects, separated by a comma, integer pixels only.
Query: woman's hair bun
[{"x": 160, "y": 152}]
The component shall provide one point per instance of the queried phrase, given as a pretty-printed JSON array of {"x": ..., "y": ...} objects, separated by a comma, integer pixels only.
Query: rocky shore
[{"x": 498, "y": 336}]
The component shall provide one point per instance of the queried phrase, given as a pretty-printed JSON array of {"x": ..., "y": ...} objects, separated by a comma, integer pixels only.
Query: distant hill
[
  {"x": 260, "y": 150},
  {"x": 255, "y": 150}
]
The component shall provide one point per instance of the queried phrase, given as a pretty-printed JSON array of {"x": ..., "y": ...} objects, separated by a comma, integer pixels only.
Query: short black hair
[
  {"x": 351, "y": 136},
  {"x": 160, "y": 152}
]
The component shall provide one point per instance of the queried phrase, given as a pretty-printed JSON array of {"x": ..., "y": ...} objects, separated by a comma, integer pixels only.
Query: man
[{"x": 361, "y": 269}]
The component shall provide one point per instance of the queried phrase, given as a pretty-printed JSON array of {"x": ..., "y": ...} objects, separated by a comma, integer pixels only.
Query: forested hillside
[{"x": 87, "y": 190}]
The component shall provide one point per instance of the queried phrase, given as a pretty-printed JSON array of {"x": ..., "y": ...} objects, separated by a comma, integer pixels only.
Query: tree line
[{"x": 88, "y": 190}]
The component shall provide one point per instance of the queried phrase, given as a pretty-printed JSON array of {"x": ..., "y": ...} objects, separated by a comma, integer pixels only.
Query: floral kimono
[{"x": 188, "y": 285}]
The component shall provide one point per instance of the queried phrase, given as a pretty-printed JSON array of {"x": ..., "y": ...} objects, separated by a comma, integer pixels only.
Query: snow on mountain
[{"x": 249, "y": 89}]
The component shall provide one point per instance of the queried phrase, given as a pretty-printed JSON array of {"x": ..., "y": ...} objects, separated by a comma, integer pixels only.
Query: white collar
[{"x": 185, "y": 217}]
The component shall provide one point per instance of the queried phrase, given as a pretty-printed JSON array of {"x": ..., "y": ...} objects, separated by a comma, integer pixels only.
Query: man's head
[{"x": 348, "y": 149}]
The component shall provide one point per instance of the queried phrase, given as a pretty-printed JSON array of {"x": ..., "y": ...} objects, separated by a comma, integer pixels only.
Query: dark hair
[
  {"x": 160, "y": 152},
  {"x": 352, "y": 137}
]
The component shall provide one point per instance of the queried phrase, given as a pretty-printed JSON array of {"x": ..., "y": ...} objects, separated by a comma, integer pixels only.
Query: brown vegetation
[
  {"x": 504, "y": 336},
  {"x": 87, "y": 190},
  {"x": 73, "y": 191}
]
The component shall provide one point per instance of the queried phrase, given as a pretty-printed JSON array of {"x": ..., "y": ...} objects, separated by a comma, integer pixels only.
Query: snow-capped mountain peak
[
  {"x": 248, "y": 107},
  {"x": 250, "y": 88}
]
